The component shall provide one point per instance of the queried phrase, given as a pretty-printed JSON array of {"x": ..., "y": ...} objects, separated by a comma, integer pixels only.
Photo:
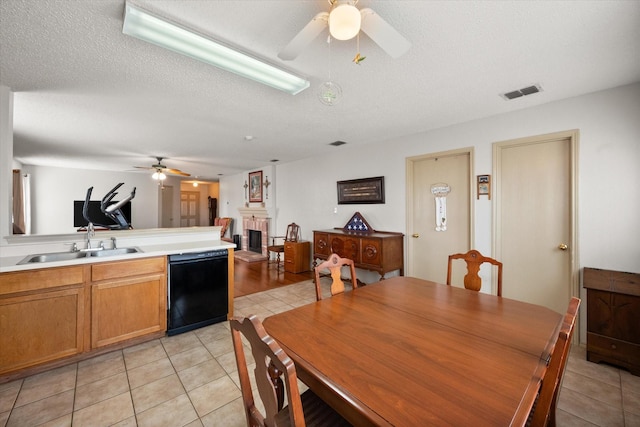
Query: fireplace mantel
[{"x": 250, "y": 212}]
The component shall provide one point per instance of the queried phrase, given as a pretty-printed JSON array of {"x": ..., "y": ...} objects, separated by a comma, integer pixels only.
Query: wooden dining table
[{"x": 410, "y": 352}]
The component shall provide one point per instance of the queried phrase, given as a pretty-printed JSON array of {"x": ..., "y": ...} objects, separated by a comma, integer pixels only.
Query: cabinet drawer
[
  {"x": 120, "y": 269},
  {"x": 22, "y": 281},
  {"x": 613, "y": 350}
]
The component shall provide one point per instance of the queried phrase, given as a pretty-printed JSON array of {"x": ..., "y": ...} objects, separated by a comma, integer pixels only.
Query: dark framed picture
[
  {"x": 364, "y": 190},
  {"x": 484, "y": 186},
  {"x": 255, "y": 186}
]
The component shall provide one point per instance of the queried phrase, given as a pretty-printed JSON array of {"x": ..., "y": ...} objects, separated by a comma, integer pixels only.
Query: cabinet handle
[
  {"x": 613, "y": 346},
  {"x": 563, "y": 247},
  {"x": 415, "y": 235}
]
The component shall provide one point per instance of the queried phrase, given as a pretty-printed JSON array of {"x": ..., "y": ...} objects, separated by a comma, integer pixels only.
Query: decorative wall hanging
[
  {"x": 266, "y": 187},
  {"x": 365, "y": 190},
  {"x": 255, "y": 186},
  {"x": 484, "y": 186},
  {"x": 358, "y": 223},
  {"x": 441, "y": 190}
]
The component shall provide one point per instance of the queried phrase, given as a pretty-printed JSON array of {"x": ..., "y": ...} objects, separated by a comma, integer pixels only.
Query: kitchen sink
[
  {"x": 114, "y": 252},
  {"x": 68, "y": 256}
]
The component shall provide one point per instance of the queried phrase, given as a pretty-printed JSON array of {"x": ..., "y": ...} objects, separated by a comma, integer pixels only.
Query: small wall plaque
[{"x": 484, "y": 186}]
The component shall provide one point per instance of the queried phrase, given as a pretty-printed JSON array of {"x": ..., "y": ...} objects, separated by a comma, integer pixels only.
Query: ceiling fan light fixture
[
  {"x": 159, "y": 175},
  {"x": 344, "y": 21}
]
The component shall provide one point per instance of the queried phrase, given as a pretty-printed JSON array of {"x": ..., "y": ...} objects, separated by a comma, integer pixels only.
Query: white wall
[
  {"x": 6, "y": 161},
  {"x": 54, "y": 190},
  {"x": 609, "y": 174}
]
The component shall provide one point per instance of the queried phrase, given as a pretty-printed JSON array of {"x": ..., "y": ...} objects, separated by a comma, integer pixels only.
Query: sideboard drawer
[{"x": 601, "y": 348}]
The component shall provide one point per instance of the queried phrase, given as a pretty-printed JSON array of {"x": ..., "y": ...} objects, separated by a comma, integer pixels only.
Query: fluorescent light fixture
[{"x": 141, "y": 25}]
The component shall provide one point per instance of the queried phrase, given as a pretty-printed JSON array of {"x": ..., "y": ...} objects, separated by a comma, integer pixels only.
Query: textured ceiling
[{"x": 88, "y": 96}]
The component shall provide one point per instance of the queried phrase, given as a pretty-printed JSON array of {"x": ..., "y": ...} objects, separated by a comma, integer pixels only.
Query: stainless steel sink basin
[
  {"x": 52, "y": 257},
  {"x": 67, "y": 256},
  {"x": 114, "y": 252}
]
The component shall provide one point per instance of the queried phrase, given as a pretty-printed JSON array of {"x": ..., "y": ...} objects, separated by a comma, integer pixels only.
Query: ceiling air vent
[
  {"x": 337, "y": 143},
  {"x": 522, "y": 92}
]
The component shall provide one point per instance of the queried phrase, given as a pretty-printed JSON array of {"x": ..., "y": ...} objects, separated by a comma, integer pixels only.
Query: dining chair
[
  {"x": 544, "y": 409},
  {"x": 474, "y": 259},
  {"x": 293, "y": 235},
  {"x": 334, "y": 264},
  {"x": 271, "y": 364},
  {"x": 226, "y": 223}
]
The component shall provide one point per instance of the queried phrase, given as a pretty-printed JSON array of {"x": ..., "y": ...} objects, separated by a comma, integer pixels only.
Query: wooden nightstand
[{"x": 297, "y": 256}]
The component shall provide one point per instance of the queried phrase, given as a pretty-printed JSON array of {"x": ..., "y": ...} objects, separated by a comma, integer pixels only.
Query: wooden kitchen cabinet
[
  {"x": 42, "y": 316},
  {"x": 55, "y": 313},
  {"x": 378, "y": 251},
  {"x": 128, "y": 300},
  {"x": 297, "y": 256},
  {"x": 613, "y": 316}
]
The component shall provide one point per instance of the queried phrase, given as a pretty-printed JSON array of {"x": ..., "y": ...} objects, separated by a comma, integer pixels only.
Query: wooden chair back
[
  {"x": 544, "y": 412},
  {"x": 224, "y": 222},
  {"x": 272, "y": 363},
  {"x": 334, "y": 264},
  {"x": 474, "y": 259}
]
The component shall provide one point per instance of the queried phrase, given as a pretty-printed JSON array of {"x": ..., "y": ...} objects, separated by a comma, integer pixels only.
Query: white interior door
[
  {"x": 189, "y": 208},
  {"x": 534, "y": 214},
  {"x": 427, "y": 249},
  {"x": 166, "y": 201}
]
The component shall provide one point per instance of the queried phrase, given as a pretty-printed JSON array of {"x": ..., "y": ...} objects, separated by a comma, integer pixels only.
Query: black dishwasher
[{"x": 198, "y": 290}]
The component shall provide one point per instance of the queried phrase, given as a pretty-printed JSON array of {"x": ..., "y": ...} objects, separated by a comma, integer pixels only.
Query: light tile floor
[{"x": 190, "y": 380}]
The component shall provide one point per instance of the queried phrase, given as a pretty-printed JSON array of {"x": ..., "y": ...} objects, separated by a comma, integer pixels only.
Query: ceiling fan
[
  {"x": 161, "y": 170},
  {"x": 345, "y": 22}
]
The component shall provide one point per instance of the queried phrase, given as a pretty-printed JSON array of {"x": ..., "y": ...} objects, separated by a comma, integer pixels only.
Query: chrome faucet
[
  {"x": 113, "y": 243},
  {"x": 90, "y": 233}
]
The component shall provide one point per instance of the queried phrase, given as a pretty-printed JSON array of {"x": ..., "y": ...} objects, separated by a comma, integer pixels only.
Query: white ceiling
[{"x": 88, "y": 96}]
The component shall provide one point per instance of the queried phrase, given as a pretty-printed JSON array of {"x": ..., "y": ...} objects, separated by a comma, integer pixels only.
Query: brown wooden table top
[{"x": 409, "y": 352}]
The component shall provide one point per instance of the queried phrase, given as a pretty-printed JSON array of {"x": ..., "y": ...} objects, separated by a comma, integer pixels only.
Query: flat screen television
[{"x": 95, "y": 214}]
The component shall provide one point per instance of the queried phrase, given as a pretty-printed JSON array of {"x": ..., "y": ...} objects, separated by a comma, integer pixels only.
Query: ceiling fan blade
[
  {"x": 383, "y": 34},
  {"x": 143, "y": 167},
  {"x": 176, "y": 172},
  {"x": 304, "y": 37}
]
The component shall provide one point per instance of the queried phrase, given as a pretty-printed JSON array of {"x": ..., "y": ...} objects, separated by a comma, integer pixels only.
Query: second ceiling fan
[
  {"x": 160, "y": 170},
  {"x": 345, "y": 22}
]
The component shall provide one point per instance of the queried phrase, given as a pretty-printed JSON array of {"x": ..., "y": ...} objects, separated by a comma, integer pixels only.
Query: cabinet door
[
  {"x": 321, "y": 244},
  {"x": 626, "y": 313},
  {"x": 40, "y": 328},
  {"x": 599, "y": 314},
  {"x": 372, "y": 252},
  {"x": 127, "y": 308},
  {"x": 346, "y": 247}
]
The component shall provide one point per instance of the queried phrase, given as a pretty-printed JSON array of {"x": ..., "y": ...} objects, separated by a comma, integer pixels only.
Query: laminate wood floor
[{"x": 252, "y": 277}]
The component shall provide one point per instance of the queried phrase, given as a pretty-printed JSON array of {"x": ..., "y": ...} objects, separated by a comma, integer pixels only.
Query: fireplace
[
  {"x": 255, "y": 241},
  {"x": 255, "y": 233}
]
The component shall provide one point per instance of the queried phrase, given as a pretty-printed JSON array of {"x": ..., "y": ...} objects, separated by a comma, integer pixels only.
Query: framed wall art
[
  {"x": 484, "y": 186},
  {"x": 255, "y": 186},
  {"x": 364, "y": 190}
]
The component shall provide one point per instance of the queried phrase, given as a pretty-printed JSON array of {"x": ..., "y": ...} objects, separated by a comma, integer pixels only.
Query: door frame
[
  {"x": 409, "y": 220},
  {"x": 573, "y": 137}
]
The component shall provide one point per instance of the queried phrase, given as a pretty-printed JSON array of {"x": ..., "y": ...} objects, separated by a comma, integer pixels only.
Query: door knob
[
  {"x": 563, "y": 247},
  {"x": 415, "y": 235}
]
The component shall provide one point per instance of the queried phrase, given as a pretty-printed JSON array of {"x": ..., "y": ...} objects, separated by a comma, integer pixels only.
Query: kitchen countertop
[{"x": 157, "y": 246}]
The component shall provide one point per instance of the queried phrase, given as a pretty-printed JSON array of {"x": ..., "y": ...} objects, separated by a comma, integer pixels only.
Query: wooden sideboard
[
  {"x": 379, "y": 251},
  {"x": 613, "y": 316}
]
